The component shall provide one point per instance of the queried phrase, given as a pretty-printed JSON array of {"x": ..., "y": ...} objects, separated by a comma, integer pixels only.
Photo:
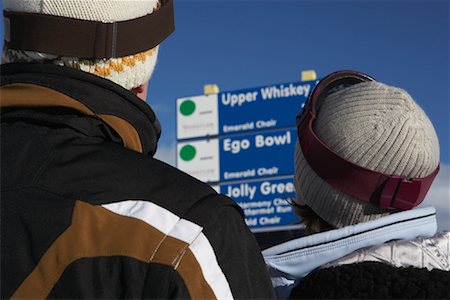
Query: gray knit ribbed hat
[{"x": 372, "y": 125}]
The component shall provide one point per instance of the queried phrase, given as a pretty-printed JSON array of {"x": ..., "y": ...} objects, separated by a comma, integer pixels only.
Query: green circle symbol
[
  {"x": 188, "y": 152},
  {"x": 187, "y": 108}
]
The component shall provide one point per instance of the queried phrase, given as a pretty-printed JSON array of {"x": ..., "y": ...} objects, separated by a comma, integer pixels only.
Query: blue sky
[
  {"x": 243, "y": 44},
  {"x": 239, "y": 44}
]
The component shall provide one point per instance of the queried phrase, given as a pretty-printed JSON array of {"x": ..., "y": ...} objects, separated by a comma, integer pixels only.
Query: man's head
[
  {"x": 131, "y": 71},
  {"x": 374, "y": 126}
]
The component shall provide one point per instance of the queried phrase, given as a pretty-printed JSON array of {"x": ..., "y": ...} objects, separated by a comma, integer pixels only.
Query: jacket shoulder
[
  {"x": 101, "y": 173},
  {"x": 23, "y": 154},
  {"x": 423, "y": 252}
]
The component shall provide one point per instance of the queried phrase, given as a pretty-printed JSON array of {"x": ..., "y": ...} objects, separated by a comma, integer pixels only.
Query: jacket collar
[{"x": 45, "y": 85}]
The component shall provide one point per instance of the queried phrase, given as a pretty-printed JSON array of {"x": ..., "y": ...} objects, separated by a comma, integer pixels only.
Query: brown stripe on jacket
[
  {"x": 96, "y": 231},
  {"x": 32, "y": 95}
]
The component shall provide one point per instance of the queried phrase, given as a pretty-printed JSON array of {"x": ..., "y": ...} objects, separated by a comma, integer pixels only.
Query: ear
[
  {"x": 141, "y": 91},
  {"x": 138, "y": 89}
]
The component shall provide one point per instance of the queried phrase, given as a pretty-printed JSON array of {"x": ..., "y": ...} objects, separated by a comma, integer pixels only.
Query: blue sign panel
[
  {"x": 262, "y": 108},
  {"x": 269, "y": 153},
  {"x": 243, "y": 142},
  {"x": 264, "y": 201}
]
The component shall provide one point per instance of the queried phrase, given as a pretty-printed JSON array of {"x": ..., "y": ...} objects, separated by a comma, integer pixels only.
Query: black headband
[{"x": 88, "y": 39}]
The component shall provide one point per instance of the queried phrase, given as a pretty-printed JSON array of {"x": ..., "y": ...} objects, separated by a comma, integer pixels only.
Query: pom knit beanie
[
  {"x": 129, "y": 72},
  {"x": 375, "y": 126}
]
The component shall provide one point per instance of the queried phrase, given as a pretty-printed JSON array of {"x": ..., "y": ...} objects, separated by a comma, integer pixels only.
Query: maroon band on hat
[
  {"x": 384, "y": 190},
  {"x": 87, "y": 39}
]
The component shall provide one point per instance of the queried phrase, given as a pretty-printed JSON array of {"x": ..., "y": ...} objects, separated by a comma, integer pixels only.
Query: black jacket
[
  {"x": 86, "y": 212},
  {"x": 374, "y": 280}
]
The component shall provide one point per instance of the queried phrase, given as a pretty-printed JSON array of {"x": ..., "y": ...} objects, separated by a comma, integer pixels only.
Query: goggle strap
[{"x": 88, "y": 39}]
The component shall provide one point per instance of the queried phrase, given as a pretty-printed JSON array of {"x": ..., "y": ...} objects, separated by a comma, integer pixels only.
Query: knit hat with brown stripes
[
  {"x": 129, "y": 72},
  {"x": 374, "y": 126}
]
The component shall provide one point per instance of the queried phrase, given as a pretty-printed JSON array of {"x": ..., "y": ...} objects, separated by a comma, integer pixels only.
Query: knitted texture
[
  {"x": 374, "y": 126},
  {"x": 106, "y": 11},
  {"x": 373, "y": 280},
  {"x": 129, "y": 72}
]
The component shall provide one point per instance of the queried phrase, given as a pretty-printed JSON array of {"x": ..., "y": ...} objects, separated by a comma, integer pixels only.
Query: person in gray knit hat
[
  {"x": 365, "y": 159},
  {"x": 375, "y": 126}
]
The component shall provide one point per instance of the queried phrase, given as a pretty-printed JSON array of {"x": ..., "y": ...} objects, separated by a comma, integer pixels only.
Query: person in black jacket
[{"x": 86, "y": 212}]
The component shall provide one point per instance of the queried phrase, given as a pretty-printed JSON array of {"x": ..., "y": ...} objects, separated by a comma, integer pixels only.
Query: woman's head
[{"x": 372, "y": 125}]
